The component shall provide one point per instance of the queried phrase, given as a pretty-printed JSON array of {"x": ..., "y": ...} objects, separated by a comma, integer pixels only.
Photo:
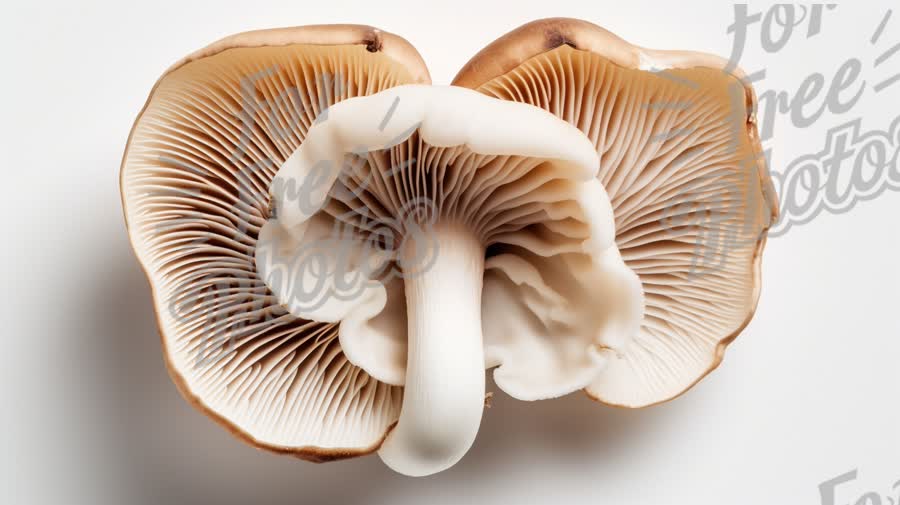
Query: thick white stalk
[{"x": 443, "y": 399}]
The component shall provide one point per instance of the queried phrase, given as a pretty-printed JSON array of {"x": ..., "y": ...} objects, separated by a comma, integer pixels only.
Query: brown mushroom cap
[
  {"x": 683, "y": 166},
  {"x": 194, "y": 181}
]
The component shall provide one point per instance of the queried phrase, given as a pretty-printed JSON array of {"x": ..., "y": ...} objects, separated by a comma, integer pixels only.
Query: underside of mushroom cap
[
  {"x": 681, "y": 160},
  {"x": 620, "y": 241},
  {"x": 195, "y": 182}
]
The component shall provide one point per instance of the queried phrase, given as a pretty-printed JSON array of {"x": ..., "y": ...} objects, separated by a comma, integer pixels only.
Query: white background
[{"x": 809, "y": 391}]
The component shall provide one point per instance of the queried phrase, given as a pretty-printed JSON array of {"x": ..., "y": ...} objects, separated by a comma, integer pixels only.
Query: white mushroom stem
[{"x": 443, "y": 398}]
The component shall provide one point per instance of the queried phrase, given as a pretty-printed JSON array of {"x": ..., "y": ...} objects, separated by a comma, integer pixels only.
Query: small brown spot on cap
[
  {"x": 555, "y": 39},
  {"x": 374, "y": 43}
]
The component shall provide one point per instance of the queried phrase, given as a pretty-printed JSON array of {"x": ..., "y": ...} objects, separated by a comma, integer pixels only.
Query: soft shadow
[{"x": 166, "y": 452}]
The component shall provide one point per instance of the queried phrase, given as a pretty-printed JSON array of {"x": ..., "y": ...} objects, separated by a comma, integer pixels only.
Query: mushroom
[
  {"x": 681, "y": 160},
  {"x": 338, "y": 250},
  {"x": 507, "y": 258}
]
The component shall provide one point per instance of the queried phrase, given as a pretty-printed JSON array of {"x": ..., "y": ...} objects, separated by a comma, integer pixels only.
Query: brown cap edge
[{"x": 374, "y": 39}]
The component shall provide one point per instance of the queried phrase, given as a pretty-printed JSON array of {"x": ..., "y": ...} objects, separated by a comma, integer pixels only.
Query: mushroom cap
[
  {"x": 194, "y": 180},
  {"x": 682, "y": 163}
]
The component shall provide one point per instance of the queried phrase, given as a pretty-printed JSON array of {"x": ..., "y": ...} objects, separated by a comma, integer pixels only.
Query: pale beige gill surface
[
  {"x": 505, "y": 201},
  {"x": 196, "y": 183},
  {"x": 680, "y": 163}
]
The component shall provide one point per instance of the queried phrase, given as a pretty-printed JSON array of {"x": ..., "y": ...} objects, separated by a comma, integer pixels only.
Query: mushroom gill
[
  {"x": 195, "y": 180},
  {"x": 449, "y": 232},
  {"x": 680, "y": 158}
]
